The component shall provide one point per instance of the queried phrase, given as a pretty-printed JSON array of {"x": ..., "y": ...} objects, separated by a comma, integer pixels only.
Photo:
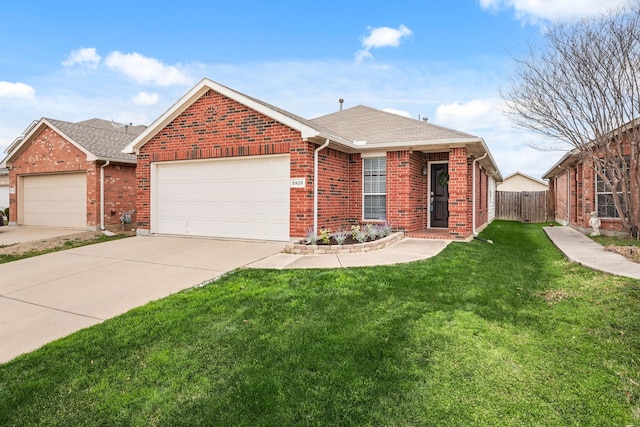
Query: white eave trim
[
  {"x": 116, "y": 160},
  {"x": 15, "y": 149},
  {"x": 557, "y": 167},
  {"x": 415, "y": 145},
  {"x": 195, "y": 93}
]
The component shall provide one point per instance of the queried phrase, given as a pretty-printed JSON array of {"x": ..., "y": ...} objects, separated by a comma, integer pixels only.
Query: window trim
[
  {"x": 365, "y": 194},
  {"x": 597, "y": 193}
]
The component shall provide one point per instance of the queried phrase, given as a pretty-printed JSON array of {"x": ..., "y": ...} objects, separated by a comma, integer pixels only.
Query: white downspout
[
  {"x": 473, "y": 192},
  {"x": 108, "y": 233},
  {"x": 315, "y": 185}
]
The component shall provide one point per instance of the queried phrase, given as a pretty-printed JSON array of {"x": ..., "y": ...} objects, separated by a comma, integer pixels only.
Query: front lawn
[{"x": 508, "y": 333}]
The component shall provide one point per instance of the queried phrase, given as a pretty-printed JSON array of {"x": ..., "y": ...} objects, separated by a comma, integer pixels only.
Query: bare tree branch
[{"x": 582, "y": 90}]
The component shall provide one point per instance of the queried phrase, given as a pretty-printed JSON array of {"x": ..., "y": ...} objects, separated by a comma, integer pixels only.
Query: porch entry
[{"x": 439, "y": 195}]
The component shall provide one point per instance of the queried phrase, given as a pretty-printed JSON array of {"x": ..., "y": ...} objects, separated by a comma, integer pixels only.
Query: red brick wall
[
  {"x": 333, "y": 190},
  {"x": 119, "y": 192},
  {"x": 355, "y": 189},
  {"x": 48, "y": 152},
  {"x": 459, "y": 194},
  {"x": 301, "y": 202},
  {"x": 215, "y": 126},
  {"x": 406, "y": 191},
  {"x": 582, "y": 198}
]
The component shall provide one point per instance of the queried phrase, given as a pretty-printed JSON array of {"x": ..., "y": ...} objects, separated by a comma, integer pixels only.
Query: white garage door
[
  {"x": 244, "y": 198},
  {"x": 54, "y": 200}
]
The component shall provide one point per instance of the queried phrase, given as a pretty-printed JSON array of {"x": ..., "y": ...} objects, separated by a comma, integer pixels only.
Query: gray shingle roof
[
  {"x": 377, "y": 127},
  {"x": 102, "y": 138},
  {"x": 311, "y": 123}
]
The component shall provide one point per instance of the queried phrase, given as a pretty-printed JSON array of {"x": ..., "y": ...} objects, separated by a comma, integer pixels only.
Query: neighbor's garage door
[
  {"x": 239, "y": 198},
  {"x": 54, "y": 200}
]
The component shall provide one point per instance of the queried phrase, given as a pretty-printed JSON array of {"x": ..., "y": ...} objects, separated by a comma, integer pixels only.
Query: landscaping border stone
[{"x": 302, "y": 249}]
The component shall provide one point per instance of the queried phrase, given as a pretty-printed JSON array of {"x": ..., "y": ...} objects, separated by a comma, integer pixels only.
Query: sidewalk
[{"x": 581, "y": 249}]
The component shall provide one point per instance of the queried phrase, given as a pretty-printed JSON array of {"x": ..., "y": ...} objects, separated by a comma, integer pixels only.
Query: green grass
[
  {"x": 503, "y": 334},
  {"x": 67, "y": 244}
]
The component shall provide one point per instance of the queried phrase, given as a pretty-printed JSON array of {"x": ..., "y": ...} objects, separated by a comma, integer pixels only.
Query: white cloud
[
  {"x": 398, "y": 112},
  {"x": 147, "y": 70},
  {"x": 511, "y": 147},
  {"x": 534, "y": 11},
  {"x": 146, "y": 99},
  {"x": 425, "y": 89},
  {"x": 16, "y": 90},
  {"x": 474, "y": 114},
  {"x": 381, "y": 37},
  {"x": 84, "y": 57}
]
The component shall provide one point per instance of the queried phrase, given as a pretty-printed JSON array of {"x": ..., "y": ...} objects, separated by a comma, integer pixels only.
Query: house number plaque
[{"x": 298, "y": 182}]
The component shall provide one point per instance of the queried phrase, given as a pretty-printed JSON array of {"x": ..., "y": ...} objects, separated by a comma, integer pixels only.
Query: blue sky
[{"x": 130, "y": 61}]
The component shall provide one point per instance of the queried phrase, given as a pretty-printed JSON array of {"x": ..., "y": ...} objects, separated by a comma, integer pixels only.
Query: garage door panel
[
  {"x": 236, "y": 198},
  {"x": 54, "y": 200}
]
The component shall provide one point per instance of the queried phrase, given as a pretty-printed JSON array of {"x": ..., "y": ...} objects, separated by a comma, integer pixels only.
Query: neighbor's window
[
  {"x": 604, "y": 199},
  {"x": 375, "y": 188}
]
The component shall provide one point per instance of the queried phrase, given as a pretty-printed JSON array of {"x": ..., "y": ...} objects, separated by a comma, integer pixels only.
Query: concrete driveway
[
  {"x": 50, "y": 296},
  {"x": 10, "y": 234}
]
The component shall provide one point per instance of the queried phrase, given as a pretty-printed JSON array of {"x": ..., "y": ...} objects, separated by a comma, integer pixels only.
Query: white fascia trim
[
  {"x": 306, "y": 131},
  {"x": 15, "y": 150},
  {"x": 194, "y": 94},
  {"x": 19, "y": 139},
  {"x": 372, "y": 154},
  {"x": 159, "y": 123},
  {"x": 90, "y": 156},
  {"x": 415, "y": 145},
  {"x": 114, "y": 160},
  {"x": 493, "y": 162},
  {"x": 558, "y": 165}
]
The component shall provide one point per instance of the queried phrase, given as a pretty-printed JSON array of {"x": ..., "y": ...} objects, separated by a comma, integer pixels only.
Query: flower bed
[{"x": 353, "y": 248}]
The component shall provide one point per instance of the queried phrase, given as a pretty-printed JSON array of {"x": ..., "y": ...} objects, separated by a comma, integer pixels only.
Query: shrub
[
  {"x": 340, "y": 236},
  {"x": 325, "y": 235},
  {"x": 358, "y": 234},
  {"x": 311, "y": 237},
  {"x": 383, "y": 230},
  {"x": 371, "y": 231}
]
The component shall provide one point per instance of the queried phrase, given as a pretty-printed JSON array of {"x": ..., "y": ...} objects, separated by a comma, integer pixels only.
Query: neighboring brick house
[
  {"x": 576, "y": 191},
  {"x": 220, "y": 163},
  {"x": 56, "y": 170}
]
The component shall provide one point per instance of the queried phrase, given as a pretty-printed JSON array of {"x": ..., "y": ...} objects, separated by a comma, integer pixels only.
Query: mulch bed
[
  {"x": 630, "y": 252},
  {"x": 349, "y": 241}
]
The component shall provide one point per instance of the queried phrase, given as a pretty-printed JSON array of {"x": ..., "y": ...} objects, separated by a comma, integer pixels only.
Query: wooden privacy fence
[{"x": 523, "y": 206}]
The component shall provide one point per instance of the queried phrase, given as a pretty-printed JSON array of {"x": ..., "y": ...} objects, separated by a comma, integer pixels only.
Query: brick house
[
  {"x": 60, "y": 172},
  {"x": 220, "y": 163},
  {"x": 576, "y": 191}
]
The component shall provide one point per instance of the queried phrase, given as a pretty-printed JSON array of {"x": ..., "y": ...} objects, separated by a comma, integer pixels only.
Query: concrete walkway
[
  {"x": 406, "y": 250},
  {"x": 581, "y": 249}
]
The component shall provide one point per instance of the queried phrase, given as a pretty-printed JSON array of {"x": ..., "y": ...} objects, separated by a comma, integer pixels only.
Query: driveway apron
[{"x": 50, "y": 296}]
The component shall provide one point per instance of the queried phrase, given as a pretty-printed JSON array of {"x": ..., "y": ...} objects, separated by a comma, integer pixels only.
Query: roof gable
[
  {"x": 304, "y": 126},
  {"x": 98, "y": 139},
  {"x": 524, "y": 176},
  {"x": 344, "y": 130}
]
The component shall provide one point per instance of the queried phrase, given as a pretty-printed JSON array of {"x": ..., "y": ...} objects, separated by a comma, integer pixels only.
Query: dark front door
[{"x": 439, "y": 189}]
